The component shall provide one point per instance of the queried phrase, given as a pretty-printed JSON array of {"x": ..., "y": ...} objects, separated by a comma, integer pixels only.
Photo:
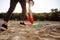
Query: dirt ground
[{"x": 47, "y": 30}]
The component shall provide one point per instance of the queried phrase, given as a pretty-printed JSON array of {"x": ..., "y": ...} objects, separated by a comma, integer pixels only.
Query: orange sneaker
[{"x": 31, "y": 20}]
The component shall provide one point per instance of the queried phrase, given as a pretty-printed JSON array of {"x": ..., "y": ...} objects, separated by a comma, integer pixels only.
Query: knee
[
  {"x": 24, "y": 10},
  {"x": 10, "y": 9}
]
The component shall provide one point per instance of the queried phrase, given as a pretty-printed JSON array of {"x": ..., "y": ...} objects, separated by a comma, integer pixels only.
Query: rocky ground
[{"x": 47, "y": 30}]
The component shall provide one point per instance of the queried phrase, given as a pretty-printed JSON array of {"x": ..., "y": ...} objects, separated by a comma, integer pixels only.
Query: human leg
[
  {"x": 23, "y": 6},
  {"x": 8, "y": 15}
]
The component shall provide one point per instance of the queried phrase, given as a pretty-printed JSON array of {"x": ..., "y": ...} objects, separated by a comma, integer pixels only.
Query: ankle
[{"x": 5, "y": 22}]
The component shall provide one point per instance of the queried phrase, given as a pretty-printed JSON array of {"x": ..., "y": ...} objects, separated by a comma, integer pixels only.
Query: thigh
[
  {"x": 23, "y": 4},
  {"x": 13, "y": 3}
]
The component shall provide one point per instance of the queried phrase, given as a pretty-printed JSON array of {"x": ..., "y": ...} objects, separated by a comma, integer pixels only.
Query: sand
[{"x": 47, "y": 30}]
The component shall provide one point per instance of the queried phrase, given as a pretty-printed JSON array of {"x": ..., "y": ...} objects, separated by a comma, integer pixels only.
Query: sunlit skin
[{"x": 29, "y": 14}]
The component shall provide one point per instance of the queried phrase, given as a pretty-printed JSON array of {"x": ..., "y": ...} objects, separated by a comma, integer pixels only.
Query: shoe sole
[{"x": 3, "y": 28}]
